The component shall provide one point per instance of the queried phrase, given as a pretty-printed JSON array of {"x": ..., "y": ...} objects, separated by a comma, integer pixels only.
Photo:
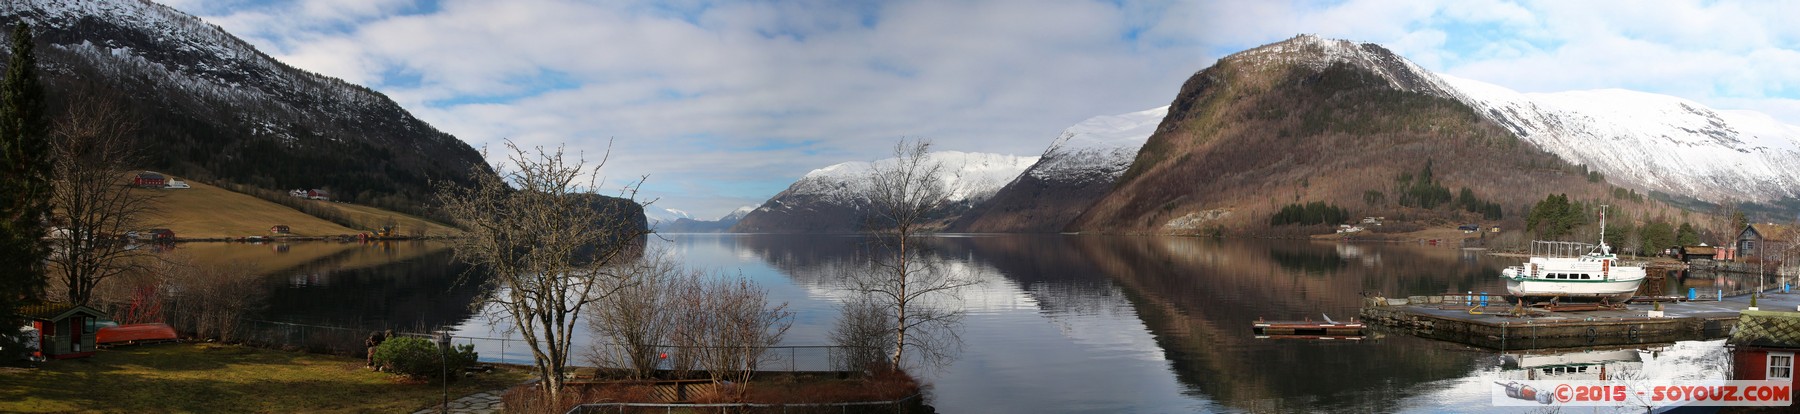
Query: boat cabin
[
  {"x": 1763, "y": 345},
  {"x": 63, "y": 330}
]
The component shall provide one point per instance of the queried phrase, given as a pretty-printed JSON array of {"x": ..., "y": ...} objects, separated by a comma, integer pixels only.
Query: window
[{"x": 1781, "y": 366}]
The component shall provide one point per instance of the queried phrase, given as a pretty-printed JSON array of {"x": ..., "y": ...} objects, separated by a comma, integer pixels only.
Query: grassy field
[
  {"x": 211, "y": 378},
  {"x": 206, "y": 211}
]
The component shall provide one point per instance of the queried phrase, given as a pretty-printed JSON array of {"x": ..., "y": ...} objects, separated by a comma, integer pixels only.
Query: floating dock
[
  {"x": 1324, "y": 329},
  {"x": 1462, "y": 319}
]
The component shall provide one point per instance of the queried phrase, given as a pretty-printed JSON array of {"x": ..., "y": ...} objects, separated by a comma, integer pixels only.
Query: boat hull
[{"x": 1611, "y": 290}]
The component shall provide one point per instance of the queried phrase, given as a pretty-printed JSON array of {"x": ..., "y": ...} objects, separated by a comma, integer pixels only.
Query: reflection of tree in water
[{"x": 418, "y": 293}]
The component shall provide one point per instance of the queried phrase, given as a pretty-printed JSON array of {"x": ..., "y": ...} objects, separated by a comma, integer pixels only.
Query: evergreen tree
[
  {"x": 1657, "y": 235},
  {"x": 1686, "y": 235},
  {"x": 25, "y": 184}
]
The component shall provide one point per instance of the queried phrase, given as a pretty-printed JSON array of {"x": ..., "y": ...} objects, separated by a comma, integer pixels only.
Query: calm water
[{"x": 1070, "y": 323}]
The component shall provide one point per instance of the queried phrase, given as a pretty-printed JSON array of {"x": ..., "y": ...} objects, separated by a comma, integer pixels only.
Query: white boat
[{"x": 1573, "y": 270}]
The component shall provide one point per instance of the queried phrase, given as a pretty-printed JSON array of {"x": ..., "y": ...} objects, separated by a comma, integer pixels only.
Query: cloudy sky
[{"x": 723, "y": 104}]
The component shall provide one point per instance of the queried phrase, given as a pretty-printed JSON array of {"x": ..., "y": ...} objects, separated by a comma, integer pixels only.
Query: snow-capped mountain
[
  {"x": 1650, "y": 141},
  {"x": 738, "y": 214},
  {"x": 1097, "y": 149},
  {"x": 1077, "y": 168},
  {"x": 829, "y": 199},
  {"x": 664, "y": 215},
  {"x": 217, "y": 107}
]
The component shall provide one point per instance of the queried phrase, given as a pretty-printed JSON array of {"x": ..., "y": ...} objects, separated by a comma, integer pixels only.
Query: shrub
[{"x": 418, "y": 357}]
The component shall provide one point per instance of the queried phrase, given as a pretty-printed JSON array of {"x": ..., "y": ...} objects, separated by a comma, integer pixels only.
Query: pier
[{"x": 1462, "y": 319}]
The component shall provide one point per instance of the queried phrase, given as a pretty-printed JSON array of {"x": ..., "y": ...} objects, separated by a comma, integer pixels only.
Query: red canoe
[{"x": 134, "y": 333}]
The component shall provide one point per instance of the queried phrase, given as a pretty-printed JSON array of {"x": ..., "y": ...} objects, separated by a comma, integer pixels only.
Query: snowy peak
[
  {"x": 1317, "y": 53},
  {"x": 1650, "y": 141},
  {"x": 738, "y": 214},
  {"x": 830, "y": 199},
  {"x": 970, "y": 176},
  {"x": 1099, "y": 148},
  {"x": 664, "y": 215}
]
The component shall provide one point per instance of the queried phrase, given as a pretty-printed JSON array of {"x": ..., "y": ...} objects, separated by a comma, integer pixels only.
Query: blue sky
[{"x": 723, "y": 103}]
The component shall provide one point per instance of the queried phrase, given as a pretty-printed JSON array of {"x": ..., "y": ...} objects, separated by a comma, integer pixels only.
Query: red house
[
  {"x": 1763, "y": 345},
  {"x": 62, "y": 330},
  {"x": 150, "y": 180}
]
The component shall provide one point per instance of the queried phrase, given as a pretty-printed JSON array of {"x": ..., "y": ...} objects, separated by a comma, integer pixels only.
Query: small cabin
[
  {"x": 162, "y": 235},
  {"x": 1763, "y": 345},
  {"x": 177, "y": 184},
  {"x": 279, "y": 229},
  {"x": 1689, "y": 253},
  {"x": 150, "y": 180},
  {"x": 62, "y": 330}
]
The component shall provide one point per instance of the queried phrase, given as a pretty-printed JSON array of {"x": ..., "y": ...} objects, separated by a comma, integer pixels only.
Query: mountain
[
  {"x": 689, "y": 225},
  {"x": 829, "y": 200},
  {"x": 1078, "y": 168},
  {"x": 214, "y": 108},
  {"x": 1318, "y": 120},
  {"x": 1652, "y": 142},
  {"x": 664, "y": 215}
]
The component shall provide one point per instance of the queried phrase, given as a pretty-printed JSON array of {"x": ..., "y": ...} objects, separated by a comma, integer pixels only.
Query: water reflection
[{"x": 1061, "y": 323}]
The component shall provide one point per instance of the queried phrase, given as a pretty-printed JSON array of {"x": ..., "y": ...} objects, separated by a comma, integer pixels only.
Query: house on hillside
[
  {"x": 148, "y": 179},
  {"x": 177, "y": 184},
  {"x": 279, "y": 229},
  {"x": 62, "y": 330},
  {"x": 1760, "y": 240},
  {"x": 1763, "y": 345}
]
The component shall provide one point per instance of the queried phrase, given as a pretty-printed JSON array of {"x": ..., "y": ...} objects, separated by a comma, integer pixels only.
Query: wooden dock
[
  {"x": 1307, "y": 328},
  {"x": 1460, "y": 318}
]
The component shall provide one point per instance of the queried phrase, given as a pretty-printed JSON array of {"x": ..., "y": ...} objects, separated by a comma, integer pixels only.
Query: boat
[
  {"x": 142, "y": 333},
  {"x": 1569, "y": 270}
]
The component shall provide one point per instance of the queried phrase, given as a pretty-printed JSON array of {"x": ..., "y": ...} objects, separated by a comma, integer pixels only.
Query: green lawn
[{"x": 208, "y": 378}]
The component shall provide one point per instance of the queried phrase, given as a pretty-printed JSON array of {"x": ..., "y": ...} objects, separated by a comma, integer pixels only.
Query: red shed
[
  {"x": 63, "y": 330},
  {"x": 1763, "y": 345}
]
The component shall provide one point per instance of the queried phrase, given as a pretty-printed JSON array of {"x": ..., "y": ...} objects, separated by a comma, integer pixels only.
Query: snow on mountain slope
[
  {"x": 738, "y": 214},
  {"x": 1097, "y": 149},
  {"x": 970, "y": 176},
  {"x": 1650, "y": 141},
  {"x": 665, "y": 215},
  {"x": 1316, "y": 52}
]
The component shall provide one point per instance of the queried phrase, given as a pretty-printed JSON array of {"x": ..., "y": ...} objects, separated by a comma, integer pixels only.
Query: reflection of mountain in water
[{"x": 1197, "y": 298}]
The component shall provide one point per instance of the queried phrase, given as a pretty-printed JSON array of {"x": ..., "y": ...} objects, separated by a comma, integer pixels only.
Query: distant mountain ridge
[
  {"x": 1650, "y": 141},
  {"x": 829, "y": 200},
  {"x": 216, "y": 108},
  {"x": 1079, "y": 166}
]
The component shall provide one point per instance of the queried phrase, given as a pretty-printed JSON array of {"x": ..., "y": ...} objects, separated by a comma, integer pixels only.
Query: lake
[{"x": 1058, "y": 324}]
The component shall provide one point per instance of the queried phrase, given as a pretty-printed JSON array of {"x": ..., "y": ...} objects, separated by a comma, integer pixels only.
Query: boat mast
[{"x": 1603, "y": 249}]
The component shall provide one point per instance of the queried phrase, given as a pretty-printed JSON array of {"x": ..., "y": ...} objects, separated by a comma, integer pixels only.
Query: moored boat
[{"x": 1573, "y": 270}]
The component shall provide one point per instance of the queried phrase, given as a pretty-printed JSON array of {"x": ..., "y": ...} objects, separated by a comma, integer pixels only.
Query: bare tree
[
  {"x": 636, "y": 324},
  {"x": 863, "y": 336},
  {"x": 552, "y": 246},
  {"x": 903, "y": 196},
  {"x": 93, "y": 156}
]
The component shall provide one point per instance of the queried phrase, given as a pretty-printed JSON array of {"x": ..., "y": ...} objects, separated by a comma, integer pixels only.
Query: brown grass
[
  {"x": 224, "y": 379},
  {"x": 205, "y": 211}
]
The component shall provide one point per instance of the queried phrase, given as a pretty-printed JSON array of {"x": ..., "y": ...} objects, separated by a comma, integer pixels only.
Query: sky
[{"x": 721, "y": 104}]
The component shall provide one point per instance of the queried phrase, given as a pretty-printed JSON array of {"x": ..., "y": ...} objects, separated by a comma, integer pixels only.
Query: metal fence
[
  {"x": 350, "y": 341},
  {"x": 909, "y": 404}
]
